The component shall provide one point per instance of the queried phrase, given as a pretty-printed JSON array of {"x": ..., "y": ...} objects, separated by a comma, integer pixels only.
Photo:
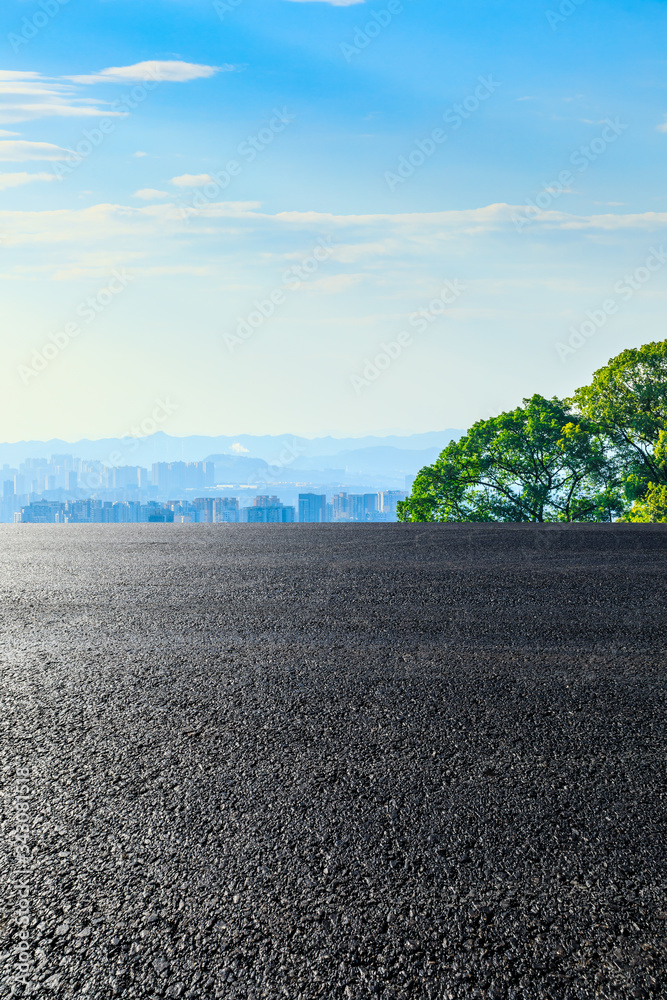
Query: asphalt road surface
[{"x": 389, "y": 761}]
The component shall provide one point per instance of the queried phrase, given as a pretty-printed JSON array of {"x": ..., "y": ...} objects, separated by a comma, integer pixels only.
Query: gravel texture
[{"x": 420, "y": 761}]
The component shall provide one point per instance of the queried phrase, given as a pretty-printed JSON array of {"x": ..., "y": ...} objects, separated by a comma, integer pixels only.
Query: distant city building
[
  {"x": 312, "y": 508},
  {"x": 180, "y": 476},
  {"x": 227, "y": 510},
  {"x": 264, "y": 514},
  {"x": 42, "y": 512},
  {"x": 125, "y": 476},
  {"x": 64, "y": 488},
  {"x": 389, "y": 499},
  {"x": 355, "y": 507},
  {"x": 266, "y": 502}
]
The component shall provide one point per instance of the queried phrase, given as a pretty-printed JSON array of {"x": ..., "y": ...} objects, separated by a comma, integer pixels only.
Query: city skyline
[
  {"x": 64, "y": 487},
  {"x": 311, "y": 508},
  {"x": 322, "y": 216}
]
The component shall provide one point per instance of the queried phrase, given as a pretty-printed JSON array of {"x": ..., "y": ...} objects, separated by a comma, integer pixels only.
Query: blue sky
[{"x": 164, "y": 166}]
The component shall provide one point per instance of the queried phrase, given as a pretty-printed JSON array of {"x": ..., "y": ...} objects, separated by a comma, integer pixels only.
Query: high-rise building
[
  {"x": 125, "y": 477},
  {"x": 340, "y": 507},
  {"x": 63, "y": 462},
  {"x": 42, "y": 512},
  {"x": 216, "y": 510},
  {"x": 389, "y": 499},
  {"x": 371, "y": 504},
  {"x": 226, "y": 510},
  {"x": 266, "y": 502},
  {"x": 312, "y": 508},
  {"x": 175, "y": 477},
  {"x": 278, "y": 514}
]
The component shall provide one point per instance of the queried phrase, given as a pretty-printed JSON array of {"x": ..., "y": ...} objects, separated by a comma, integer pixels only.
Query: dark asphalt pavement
[{"x": 389, "y": 761}]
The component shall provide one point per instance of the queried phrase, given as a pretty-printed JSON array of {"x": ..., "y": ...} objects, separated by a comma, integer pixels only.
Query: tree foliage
[
  {"x": 651, "y": 509},
  {"x": 628, "y": 400},
  {"x": 539, "y": 462},
  {"x": 583, "y": 459},
  {"x": 651, "y": 506}
]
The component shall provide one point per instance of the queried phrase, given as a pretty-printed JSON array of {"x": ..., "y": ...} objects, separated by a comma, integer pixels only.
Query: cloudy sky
[{"x": 318, "y": 216}]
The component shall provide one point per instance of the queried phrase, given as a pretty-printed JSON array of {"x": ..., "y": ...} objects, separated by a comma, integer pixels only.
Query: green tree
[
  {"x": 651, "y": 506},
  {"x": 627, "y": 399},
  {"x": 538, "y": 462}
]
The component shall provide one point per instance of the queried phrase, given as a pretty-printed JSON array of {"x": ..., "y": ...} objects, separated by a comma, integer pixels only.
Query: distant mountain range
[
  {"x": 162, "y": 447},
  {"x": 285, "y": 458}
]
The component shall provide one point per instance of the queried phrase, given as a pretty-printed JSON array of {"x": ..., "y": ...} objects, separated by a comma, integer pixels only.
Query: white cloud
[
  {"x": 139, "y": 154},
  {"x": 19, "y": 150},
  {"x": 371, "y": 239},
  {"x": 33, "y": 88},
  {"x": 192, "y": 180},
  {"x": 16, "y": 180},
  {"x": 663, "y": 127},
  {"x": 238, "y": 449},
  {"x": 10, "y": 74},
  {"x": 5, "y": 132},
  {"x": 11, "y": 113},
  {"x": 74, "y": 272},
  {"x": 28, "y": 96},
  {"x": 173, "y": 71},
  {"x": 47, "y": 99},
  {"x": 150, "y": 194}
]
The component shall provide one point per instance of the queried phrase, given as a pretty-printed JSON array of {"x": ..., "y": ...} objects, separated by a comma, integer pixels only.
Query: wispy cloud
[
  {"x": 150, "y": 194},
  {"x": 17, "y": 180},
  {"x": 11, "y": 113},
  {"x": 19, "y": 150},
  {"x": 46, "y": 97},
  {"x": 173, "y": 71},
  {"x": 364, "y": 237},
  {"x": 192, "y": 180},
  {"x": 11, "y": 74},
  {"x": 51, "y": 99}
]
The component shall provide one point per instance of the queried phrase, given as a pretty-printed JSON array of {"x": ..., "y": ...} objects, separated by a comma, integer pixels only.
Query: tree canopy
[
  {"x": 583, "y": 459},
  {"x": 628, "y": 400}
]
